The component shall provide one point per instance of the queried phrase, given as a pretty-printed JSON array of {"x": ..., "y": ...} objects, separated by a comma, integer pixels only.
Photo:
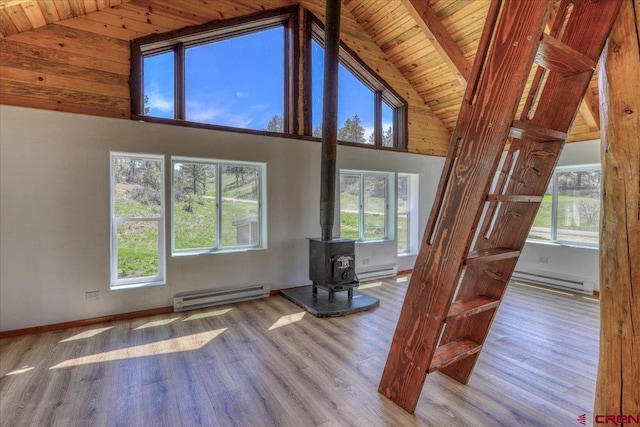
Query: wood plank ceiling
[{"x": 429, "y": 45}]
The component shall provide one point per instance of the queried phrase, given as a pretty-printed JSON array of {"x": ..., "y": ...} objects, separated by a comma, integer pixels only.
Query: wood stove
[{"x": 332, "y": 266}]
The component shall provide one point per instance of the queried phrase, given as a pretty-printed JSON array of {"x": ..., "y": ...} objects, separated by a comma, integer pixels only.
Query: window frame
[
  {"x": 390, "y": 197},
  {"x": 143, "y": 281},
  {"x": 178, "y": 40},
  {"x": 411, "y": 212},
  {"x": 553, "y": 238},
  {"x": 382, "y": 91},
  {"x": 262, "y": 207}
]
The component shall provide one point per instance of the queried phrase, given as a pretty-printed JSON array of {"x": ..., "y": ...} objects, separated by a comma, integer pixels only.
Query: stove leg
[
  {"x": 315, "y": 289},
  {"x": 350, "y": 294},
  {"x": 332, "y": 295}
]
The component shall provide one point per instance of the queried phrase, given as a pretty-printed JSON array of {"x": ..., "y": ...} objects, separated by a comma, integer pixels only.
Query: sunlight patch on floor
[
  {"x": 174, "y": 345},
  {"x": 370, "y": 285},
  {"x": 402, "y": 279},
  {"x": 21, "y": 370},
  {"x": 287, "y": 320},
  {"x": 87, "y": 334},
  {"x": 155, "y": 323},
  {"x": 208, "y": 314}
]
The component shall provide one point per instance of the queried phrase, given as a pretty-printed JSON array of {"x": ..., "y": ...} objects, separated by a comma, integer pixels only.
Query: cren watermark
[{"x": 615, "y": 420}]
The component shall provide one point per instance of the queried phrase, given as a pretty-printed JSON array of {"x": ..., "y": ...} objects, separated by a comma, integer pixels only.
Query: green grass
[
  {"x": 574, "y": 213},
  {"x": 137, "y": 249},
  {"x": 402, "y": 234}
]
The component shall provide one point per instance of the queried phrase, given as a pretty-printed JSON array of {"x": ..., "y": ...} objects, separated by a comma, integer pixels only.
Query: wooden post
[{"x": 618, "y": 384}]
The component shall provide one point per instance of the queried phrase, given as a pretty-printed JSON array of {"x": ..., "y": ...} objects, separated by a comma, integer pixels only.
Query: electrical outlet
[
  {"x": 365, "y": 261},
  {"x": 92, "y": 295},
  {"x": 543, "y": 260}
]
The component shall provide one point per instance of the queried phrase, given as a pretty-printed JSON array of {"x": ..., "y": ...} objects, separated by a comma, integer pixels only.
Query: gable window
[
  {"x": 365, "y": 200},
  {"x": 369, "y": 112},
  {"x": 570, "y": 210},
  {"x": 137, "y": 220},
  {"x": 217, "y": 206},
  {"x": 232, "y": 73},
  {"x": 407, "y": 213}
]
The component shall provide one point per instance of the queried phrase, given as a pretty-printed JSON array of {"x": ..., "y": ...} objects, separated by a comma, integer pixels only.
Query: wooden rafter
[
  {"x": 440, "y": 38},
  {"x": 590, "y": 111}
]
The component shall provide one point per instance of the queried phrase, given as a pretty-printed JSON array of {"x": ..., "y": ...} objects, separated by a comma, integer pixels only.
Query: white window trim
[
  {"x": 262, "y": 208},
  {"x": 390, "y": 209},
  {"x": 553, "y": 240},
  {"x": 412, "y": 213},
  {"x": 136, "y": 282}
]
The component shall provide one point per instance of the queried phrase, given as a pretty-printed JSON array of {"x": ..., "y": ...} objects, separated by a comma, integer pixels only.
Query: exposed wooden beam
[
  {"x": 617, "y": 391},
  {"x": 590, "y": 111},
  {"x": 440, "y": 38}
]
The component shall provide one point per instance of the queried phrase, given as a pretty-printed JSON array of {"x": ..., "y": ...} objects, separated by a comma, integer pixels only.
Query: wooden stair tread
[
  {"x": 452, "y": 352},
  {"x": 527, "y": 131},
  {"x": 490, "y": 255},
  {"x": 556, "y": 56},
  {"x": 518, "y": 198},
  {"x": 469, "y": 307}
]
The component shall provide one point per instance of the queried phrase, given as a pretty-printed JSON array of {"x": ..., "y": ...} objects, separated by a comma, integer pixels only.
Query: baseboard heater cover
[
  {"x": 378, "y": 272},
  {"x": 567, "y": 282},
  {"x": 210, "y": 297}
]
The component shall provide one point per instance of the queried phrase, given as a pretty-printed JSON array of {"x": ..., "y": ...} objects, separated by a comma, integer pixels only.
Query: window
[
  {"x": 570, "y": 210},
  {"x": 230, "y": 74},
  {"x": 407, "y": 213},
  {"x": 217, "y": 206},
  {"x": 369, "y": 112},
  {"x": 364, "y": 205},
  {"x": 137, "y": 219}
]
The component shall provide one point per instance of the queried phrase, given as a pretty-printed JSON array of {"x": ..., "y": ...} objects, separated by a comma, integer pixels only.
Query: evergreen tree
[
  {"x": 276, "y": 124},
  {"x": 195, "y": 178},
  {"x": 387, "y": 137},
  {"x": 317, "y": 131},
  {"x": 352, "y": 130}
]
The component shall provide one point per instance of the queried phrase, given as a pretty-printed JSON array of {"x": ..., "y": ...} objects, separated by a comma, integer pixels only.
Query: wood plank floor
[{"x": 267, "y": 362}]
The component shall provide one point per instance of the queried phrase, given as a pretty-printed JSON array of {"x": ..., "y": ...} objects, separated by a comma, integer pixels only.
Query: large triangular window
[{"x": 369, "y": 112}]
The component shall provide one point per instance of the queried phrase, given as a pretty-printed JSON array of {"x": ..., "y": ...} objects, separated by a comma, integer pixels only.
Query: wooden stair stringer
[
  {"x": 463, "y": 190},
  {"x": 482, "y": 131}
]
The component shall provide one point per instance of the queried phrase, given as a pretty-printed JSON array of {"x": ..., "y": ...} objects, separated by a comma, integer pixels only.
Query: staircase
[{"x": 487, "y": 198}]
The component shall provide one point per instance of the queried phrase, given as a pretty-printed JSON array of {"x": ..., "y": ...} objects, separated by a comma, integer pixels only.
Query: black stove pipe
[{"x": 329, "y": 118}]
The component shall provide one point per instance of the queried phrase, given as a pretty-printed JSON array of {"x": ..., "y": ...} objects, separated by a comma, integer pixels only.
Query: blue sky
[{"x": 238, "y": 82}]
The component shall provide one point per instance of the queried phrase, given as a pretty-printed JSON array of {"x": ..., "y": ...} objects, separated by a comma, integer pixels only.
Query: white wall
[
  {"x": 566, "y": 260},
  {"x": 54, "y": 212}
]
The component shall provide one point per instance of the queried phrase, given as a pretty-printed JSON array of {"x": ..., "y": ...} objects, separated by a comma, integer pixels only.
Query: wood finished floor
[{"x": 266, "y": 362}]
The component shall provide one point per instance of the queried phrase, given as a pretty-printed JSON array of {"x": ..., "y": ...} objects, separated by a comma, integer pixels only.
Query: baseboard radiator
[
  {"x": 208, "y": 298},
  {"x": 378, "y": 272},
  {"x": 561, "y": 281}
]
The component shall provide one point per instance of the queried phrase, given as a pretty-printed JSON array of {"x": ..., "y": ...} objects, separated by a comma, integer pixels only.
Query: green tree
[
  {"x": 352, "y": 130},
  {"x": 194, "y": 178},
  {"x": 151, "y": 177},
  {"x": 276, "y": 124},
  {"x": 317, "y": 131},
  {"x": 387, "y": 137}
]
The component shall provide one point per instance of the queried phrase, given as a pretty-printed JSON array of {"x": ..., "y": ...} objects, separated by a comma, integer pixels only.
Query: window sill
[
  {"x": 214, "y": 252},
  {"x": 407, "y": 254},
  {"x": 563, "y": 244},
  {"x": 138, "y": 285},
  {"x": 358, "y": 242}
]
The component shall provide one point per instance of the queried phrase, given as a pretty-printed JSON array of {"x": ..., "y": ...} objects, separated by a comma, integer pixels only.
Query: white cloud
[
  {"x": 217, "y": 115},
  {"x": 368, "y": 131},
  {"x": 159, "y": 103},
  {"x": 242, "y": 94}
]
